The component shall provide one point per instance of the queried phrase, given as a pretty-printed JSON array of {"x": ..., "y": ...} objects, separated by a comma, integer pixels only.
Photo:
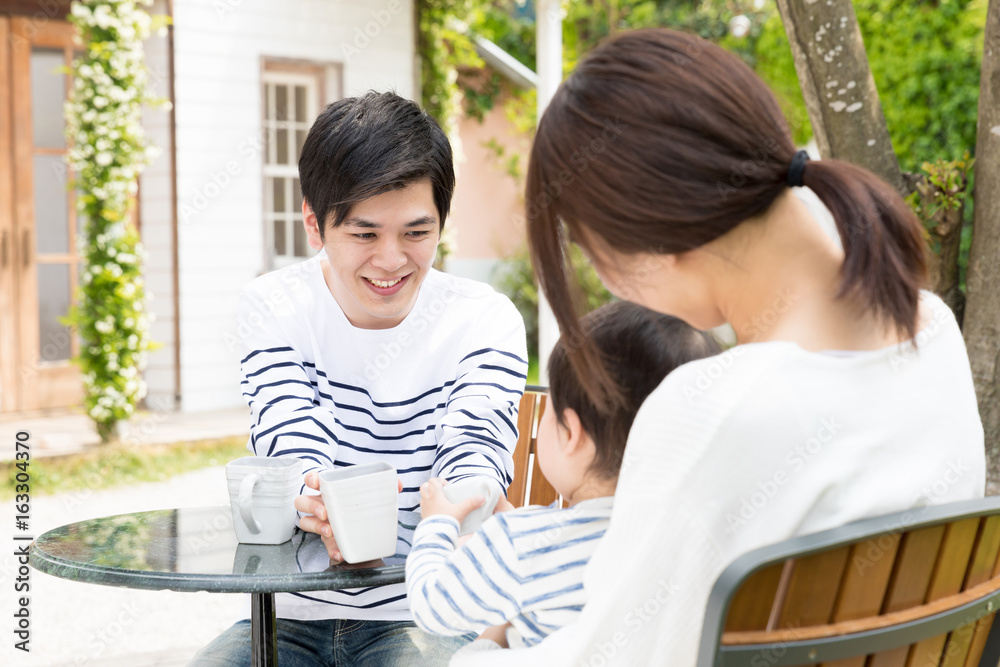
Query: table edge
[{"x": 213, "y": 583}]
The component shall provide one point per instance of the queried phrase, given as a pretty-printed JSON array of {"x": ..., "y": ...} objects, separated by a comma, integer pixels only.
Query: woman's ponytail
[{"x": 885, "y": 264}]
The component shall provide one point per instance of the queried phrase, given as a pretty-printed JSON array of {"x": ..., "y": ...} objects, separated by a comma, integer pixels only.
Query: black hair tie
[{"x": 797, "y": 168}]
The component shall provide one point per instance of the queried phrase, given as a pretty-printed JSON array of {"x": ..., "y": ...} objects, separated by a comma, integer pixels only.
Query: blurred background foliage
[{"x": 925, "y": 56}]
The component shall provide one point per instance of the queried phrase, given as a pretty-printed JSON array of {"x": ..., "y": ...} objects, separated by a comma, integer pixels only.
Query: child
[{"x": 525, "y": 567}]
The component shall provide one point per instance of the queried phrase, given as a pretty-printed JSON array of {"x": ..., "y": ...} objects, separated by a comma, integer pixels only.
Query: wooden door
[{"x": 39, "y": 262}]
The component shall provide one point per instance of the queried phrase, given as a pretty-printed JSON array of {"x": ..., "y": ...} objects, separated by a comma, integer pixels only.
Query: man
[{"x": 366, "y": 353}]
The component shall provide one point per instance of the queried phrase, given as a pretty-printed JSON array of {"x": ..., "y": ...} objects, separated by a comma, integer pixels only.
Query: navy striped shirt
[
  {"x": 436, "y": 395},
  {"x": 524, "y": 566}
]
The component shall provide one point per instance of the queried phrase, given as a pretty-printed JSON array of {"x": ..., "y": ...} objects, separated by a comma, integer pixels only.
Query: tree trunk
[
  {"x": 838, "y": 87},
  {"x": 942, "y": 191},
  {"x": 982, "y": 320}
]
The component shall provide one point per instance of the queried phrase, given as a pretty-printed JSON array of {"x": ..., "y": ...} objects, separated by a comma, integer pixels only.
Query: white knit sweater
[{"x": 762, "y": 443}]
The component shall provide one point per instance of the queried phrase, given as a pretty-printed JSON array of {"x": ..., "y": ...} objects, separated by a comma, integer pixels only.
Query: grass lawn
[
  {"x": 118, "y": 465},
  {"x": 533, "y": 369}
]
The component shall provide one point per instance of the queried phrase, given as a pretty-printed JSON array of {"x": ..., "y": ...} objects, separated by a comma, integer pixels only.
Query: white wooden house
[{"x": 217, "y": 208}]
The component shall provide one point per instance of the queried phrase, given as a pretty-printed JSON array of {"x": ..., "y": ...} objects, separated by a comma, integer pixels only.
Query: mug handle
[{"x": 246, "y": 503}]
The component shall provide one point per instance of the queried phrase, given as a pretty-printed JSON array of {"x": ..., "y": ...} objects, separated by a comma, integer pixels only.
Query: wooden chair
[
  {"x": 529, "y": 486},
  {"x": 911, "y": 589}
]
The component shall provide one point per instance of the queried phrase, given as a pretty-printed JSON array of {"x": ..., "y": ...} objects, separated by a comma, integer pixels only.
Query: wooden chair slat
[
  {"x": 978, "y": 643},
  {"x": 541, "y": 492},
  {"x": 865, "y": 583},
  {"x": 751, "y": 606},
  {"x": 970, "y": 640},
  {"x": 959, "y": 643},
  {"x": 949, "y": 575},
  {"x": 894, "y": 658},
  {"x": 867, "y": 578},
  {"x": 525, "y": 426},
  {"x": 953, "y": 559},
  {"x": 907, "y": 615},
  {"x": 966, "y": 644},
  {"x": 911, "y": 577},
  {"x": 891, "y": 580},
  {"x": 812, "y": 591},
  {"x": 987, "y": 552}
]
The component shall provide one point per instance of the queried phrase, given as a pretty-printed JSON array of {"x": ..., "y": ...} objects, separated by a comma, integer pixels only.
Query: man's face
[{"x": 380, "y": 255}]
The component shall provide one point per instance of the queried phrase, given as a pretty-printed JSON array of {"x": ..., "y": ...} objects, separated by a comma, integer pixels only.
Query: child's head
[{"x": 640, "y": 347}]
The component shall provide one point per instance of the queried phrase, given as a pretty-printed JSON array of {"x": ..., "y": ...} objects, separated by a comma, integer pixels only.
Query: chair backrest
[
  {"x": 529, "y": 486},
  {"x": 910, "y": 589}
]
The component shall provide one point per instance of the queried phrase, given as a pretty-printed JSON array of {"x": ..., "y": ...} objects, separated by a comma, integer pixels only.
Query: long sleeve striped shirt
[
  {"x": 436, "y": 395},
  {"x": 524, "y": 566}
]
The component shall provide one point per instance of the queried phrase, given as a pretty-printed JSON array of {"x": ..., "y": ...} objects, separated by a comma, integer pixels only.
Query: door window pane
[
  {"x": 53, "y": 303},
  {"x": 279, "y": 238},
  {"x": 281, "y": 143},
  {"x": 301, "y": 106},
  {"x": 290, "y": 99},
  {"x": 301, "y": 241},
  {"x": 51, "y": 204},
  {"x": 279, "y": 195},
  {"x": 296, "y": 196},
  {"x": 48, "y": 92},
  {"x": 281, "y": 102}
]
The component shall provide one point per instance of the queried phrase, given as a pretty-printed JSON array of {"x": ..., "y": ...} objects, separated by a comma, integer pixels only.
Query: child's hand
[
  {"x": 503, "y": 505},
  {"x": 496, "y": 633},
  {"x": 433, "y": 501}
]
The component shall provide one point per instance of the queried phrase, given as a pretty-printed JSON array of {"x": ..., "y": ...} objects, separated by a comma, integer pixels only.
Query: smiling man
[{"x": 366, "y": 353}]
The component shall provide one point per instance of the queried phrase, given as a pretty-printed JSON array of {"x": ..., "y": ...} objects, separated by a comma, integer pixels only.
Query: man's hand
[
  {"x": 319, "y": 522},
  {"x": 433, "y": 501}
]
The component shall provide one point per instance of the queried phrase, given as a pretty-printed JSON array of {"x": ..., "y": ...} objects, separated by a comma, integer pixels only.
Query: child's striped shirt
[{"x": 524, "y": 566}]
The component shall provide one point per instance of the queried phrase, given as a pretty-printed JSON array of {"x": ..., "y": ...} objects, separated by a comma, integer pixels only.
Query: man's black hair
[{"x": 360, "y": 147}]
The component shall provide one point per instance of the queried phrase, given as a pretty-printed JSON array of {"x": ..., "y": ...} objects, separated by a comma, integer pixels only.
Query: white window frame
[{"x": 271, "y": 169}]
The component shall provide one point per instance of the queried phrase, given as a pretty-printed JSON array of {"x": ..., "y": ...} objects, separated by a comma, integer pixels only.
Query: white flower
[
  {"x": 100, "y": 102},
  {"x": 104, "y": 159}
]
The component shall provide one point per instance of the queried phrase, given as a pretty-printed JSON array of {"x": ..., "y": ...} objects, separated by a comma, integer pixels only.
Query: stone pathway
[{"x": 76, "y": 624}]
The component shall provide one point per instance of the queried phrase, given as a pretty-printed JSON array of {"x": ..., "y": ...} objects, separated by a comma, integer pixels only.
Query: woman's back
[{"x": 765, "y": 442}]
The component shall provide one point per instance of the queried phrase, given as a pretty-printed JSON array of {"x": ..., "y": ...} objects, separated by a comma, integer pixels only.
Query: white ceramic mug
[
  {"x": 363, "y": 508},
  {"x": 262, "y": 494},
  {"x": 473, "y": 487}
]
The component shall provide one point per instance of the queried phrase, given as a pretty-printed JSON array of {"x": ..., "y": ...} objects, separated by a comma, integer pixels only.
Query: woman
[{"x": 849, "y": 393}]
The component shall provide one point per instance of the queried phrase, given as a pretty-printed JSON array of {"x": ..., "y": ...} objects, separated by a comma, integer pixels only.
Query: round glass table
[{"x": 195, "y": 549}]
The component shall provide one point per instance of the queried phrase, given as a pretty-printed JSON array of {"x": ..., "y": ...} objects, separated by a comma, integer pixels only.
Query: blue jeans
[{"x": 336, "y": 643}]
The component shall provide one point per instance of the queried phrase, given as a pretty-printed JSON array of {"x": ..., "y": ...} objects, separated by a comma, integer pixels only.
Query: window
[{"x": 291, "y": 102}]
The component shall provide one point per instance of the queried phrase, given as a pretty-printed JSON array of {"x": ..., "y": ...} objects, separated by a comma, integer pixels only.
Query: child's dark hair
[
  {"x": 360, "y": 147},
  {"x": 639, "y": 347}
]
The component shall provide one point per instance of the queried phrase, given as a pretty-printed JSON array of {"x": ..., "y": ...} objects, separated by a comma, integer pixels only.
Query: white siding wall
[
  {"x": 219, "y": 47},
  {"x": 156, "y": 218}
]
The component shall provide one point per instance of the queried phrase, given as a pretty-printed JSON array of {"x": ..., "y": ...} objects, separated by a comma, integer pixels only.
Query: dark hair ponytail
[
  {"x": 661, "y": 142},
  {"x": 885, "y": 262}
]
